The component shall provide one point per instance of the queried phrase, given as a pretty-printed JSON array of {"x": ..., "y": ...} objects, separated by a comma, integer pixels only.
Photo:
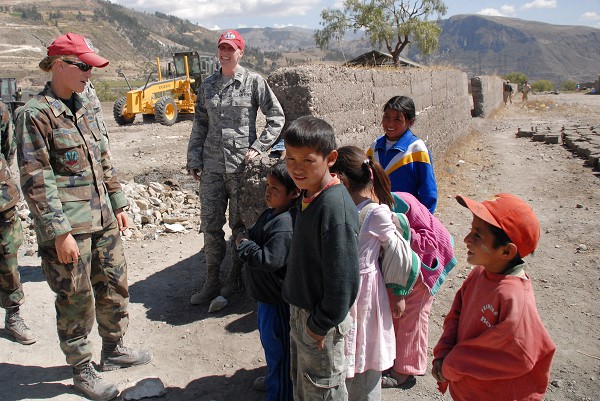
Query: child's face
[
  {"x": 276, "y": 194},
  {"x": 308, "y": 168},
  {"x": 480, "y": 248},
  {"x": 394, "y": 124}
]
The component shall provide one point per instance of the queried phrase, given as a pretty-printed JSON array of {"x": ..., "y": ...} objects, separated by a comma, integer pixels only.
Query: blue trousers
[{"x": 274, "y": 329}]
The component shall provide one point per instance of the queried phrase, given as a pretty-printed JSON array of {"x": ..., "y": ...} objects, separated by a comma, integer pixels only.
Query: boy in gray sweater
[{"x": 322, "y": 277}]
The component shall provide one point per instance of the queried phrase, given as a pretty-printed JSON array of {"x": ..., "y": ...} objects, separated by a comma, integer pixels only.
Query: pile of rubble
[{"x": 156, "y": 209}]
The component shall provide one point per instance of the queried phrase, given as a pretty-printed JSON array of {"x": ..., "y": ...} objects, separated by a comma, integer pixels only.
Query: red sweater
[{"x": 494, "y": 344}]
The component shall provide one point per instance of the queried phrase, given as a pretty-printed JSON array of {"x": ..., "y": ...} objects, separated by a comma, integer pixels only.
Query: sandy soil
[{"x": 201, "y": 356}]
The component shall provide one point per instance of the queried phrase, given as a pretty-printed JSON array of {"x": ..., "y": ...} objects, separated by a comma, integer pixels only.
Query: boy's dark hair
[
  {"x": 280, "y": 173},
  {"x": 402, "y": 104},
  {"x": 311, "y": 132},
  {"x": 501, "y": 239}
]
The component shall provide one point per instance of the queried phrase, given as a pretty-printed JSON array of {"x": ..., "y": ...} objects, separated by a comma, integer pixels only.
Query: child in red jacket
[{"x": 494, "y": 345}]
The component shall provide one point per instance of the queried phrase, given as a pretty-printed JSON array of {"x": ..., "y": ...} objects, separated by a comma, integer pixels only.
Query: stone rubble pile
[
  {"x": 157, "y": 209},
  {"x": 154, "y": 209}
]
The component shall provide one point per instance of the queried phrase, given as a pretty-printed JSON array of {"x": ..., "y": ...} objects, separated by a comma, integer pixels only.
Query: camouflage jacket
[
  {"x": 67, "y": 176},
  {"x": 225, "y": 121},
  {"x": 9, "y": 192}
]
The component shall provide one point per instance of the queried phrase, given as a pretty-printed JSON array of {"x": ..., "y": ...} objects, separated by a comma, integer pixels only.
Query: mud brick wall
[
  {"x": 487, "y": 94},
  {"x": 352, "y": 100}
]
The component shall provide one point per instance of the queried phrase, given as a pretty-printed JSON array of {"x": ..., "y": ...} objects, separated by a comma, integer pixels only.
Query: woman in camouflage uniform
[
  {"x": 78, "y": 209},
  {"x": 222, "y": 141}
]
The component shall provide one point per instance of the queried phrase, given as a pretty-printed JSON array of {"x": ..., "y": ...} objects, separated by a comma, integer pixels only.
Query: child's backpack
[
  {"x": 430, "y": 239},
  {"x": 400, "y": 265}
]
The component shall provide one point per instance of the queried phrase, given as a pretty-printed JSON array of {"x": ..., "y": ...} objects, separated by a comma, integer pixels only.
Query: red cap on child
[
  {"x": 72, "y": 43},
  {"x": 515, "y": 217}
]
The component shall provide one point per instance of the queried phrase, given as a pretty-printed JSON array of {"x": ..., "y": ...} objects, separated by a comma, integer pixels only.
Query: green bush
[
  {"x": 569, "y": 85},
  {"x": 543, "y": 85},
  {"x": 516, "y": 77},
  {"x": 105, "y": 92}
]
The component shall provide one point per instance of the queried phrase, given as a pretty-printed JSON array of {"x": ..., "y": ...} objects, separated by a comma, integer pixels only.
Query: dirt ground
[{"x": 201, "y": 356}]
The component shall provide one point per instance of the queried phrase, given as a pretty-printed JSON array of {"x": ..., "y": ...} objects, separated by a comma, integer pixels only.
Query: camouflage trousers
[
  {"x": 216, "y": 190},
  {"x": 95, "y": 287},
  {"x": 11, "y": 237},
  {"x": 317, "y": 374}
]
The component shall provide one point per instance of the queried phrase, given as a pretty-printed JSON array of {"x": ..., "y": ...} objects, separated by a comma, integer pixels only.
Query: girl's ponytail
[
  {"x": 357, "y": 173},
  {"x": 381, "y": 184}
]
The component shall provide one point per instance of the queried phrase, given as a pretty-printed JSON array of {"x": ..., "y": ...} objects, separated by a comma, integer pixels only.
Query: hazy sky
[{"x": 227, "y": 14}]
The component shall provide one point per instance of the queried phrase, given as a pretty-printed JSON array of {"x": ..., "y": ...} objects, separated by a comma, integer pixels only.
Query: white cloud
[
  {"x": 491, "y": 12},
  {"x": 541, "y": 4},
  {"x": 506, "y": 9},
  {"x": 205, "y": 11},
  {"x": 590, "y": 16}
]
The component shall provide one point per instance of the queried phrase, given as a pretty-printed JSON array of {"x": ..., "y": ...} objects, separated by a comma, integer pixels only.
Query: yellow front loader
[{"x": 165, "y": 99}]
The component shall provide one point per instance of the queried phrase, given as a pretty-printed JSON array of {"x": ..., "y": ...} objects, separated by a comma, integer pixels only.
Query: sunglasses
[{"x": 79, "y": 64}]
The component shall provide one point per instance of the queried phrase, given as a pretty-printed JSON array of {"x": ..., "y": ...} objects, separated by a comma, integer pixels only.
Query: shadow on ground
[
  {"x": 166, "y": 296},
  {"x": 31, "y": 274},
  {"x": 219, "y": 388},
  {"x": 21, "y": 382}
]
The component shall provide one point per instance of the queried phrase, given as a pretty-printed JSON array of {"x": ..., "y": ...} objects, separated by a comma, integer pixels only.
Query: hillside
[
  {"x": 132, "y": 40},
  {"x": 497, "y": 45}
]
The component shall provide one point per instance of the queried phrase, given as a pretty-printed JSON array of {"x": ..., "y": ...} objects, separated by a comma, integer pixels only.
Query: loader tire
[
  {"x": 165, "y": 110},
  {"x": 120, "y": 114}
]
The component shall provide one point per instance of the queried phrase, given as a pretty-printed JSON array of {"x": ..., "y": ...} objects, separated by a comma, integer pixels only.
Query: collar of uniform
[
  {"x": 401, "y": 144},
  {"x": 58, "y": 107},
  {"x": 239, "y": 73}
]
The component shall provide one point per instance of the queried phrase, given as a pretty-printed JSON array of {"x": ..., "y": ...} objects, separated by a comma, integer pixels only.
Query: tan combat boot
[
  {"x": 234, "y": 283},
  {"x": 210, "y": 289},
  {"x": 15, "y": 325},
  {"x": 116, "y": 356},
  {"x": 87, "y": 380}
]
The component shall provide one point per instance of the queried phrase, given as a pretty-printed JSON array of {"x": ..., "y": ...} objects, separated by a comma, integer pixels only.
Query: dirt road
[{"x": 201, "y": 356}]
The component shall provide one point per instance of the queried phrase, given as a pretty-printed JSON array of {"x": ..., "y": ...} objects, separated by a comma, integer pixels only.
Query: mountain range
[{"x": 479, "y": 45}]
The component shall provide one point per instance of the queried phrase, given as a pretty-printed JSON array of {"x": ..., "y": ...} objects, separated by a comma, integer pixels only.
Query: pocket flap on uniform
[
  {"x": 74, "y": 194},
  {"x": 65, "y": 138},
  {"x": 332, "y": 381}
]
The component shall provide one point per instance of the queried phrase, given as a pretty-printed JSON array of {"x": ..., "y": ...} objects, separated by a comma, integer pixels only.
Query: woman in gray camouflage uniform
[{"x": 222, "y": 141}]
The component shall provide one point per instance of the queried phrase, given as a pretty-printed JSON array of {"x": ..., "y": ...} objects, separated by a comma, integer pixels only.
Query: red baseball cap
[
  {"x": 233, "y": 38},
  {"x": 72, "y": 43},
  {"x": 515, "y": 217}
]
